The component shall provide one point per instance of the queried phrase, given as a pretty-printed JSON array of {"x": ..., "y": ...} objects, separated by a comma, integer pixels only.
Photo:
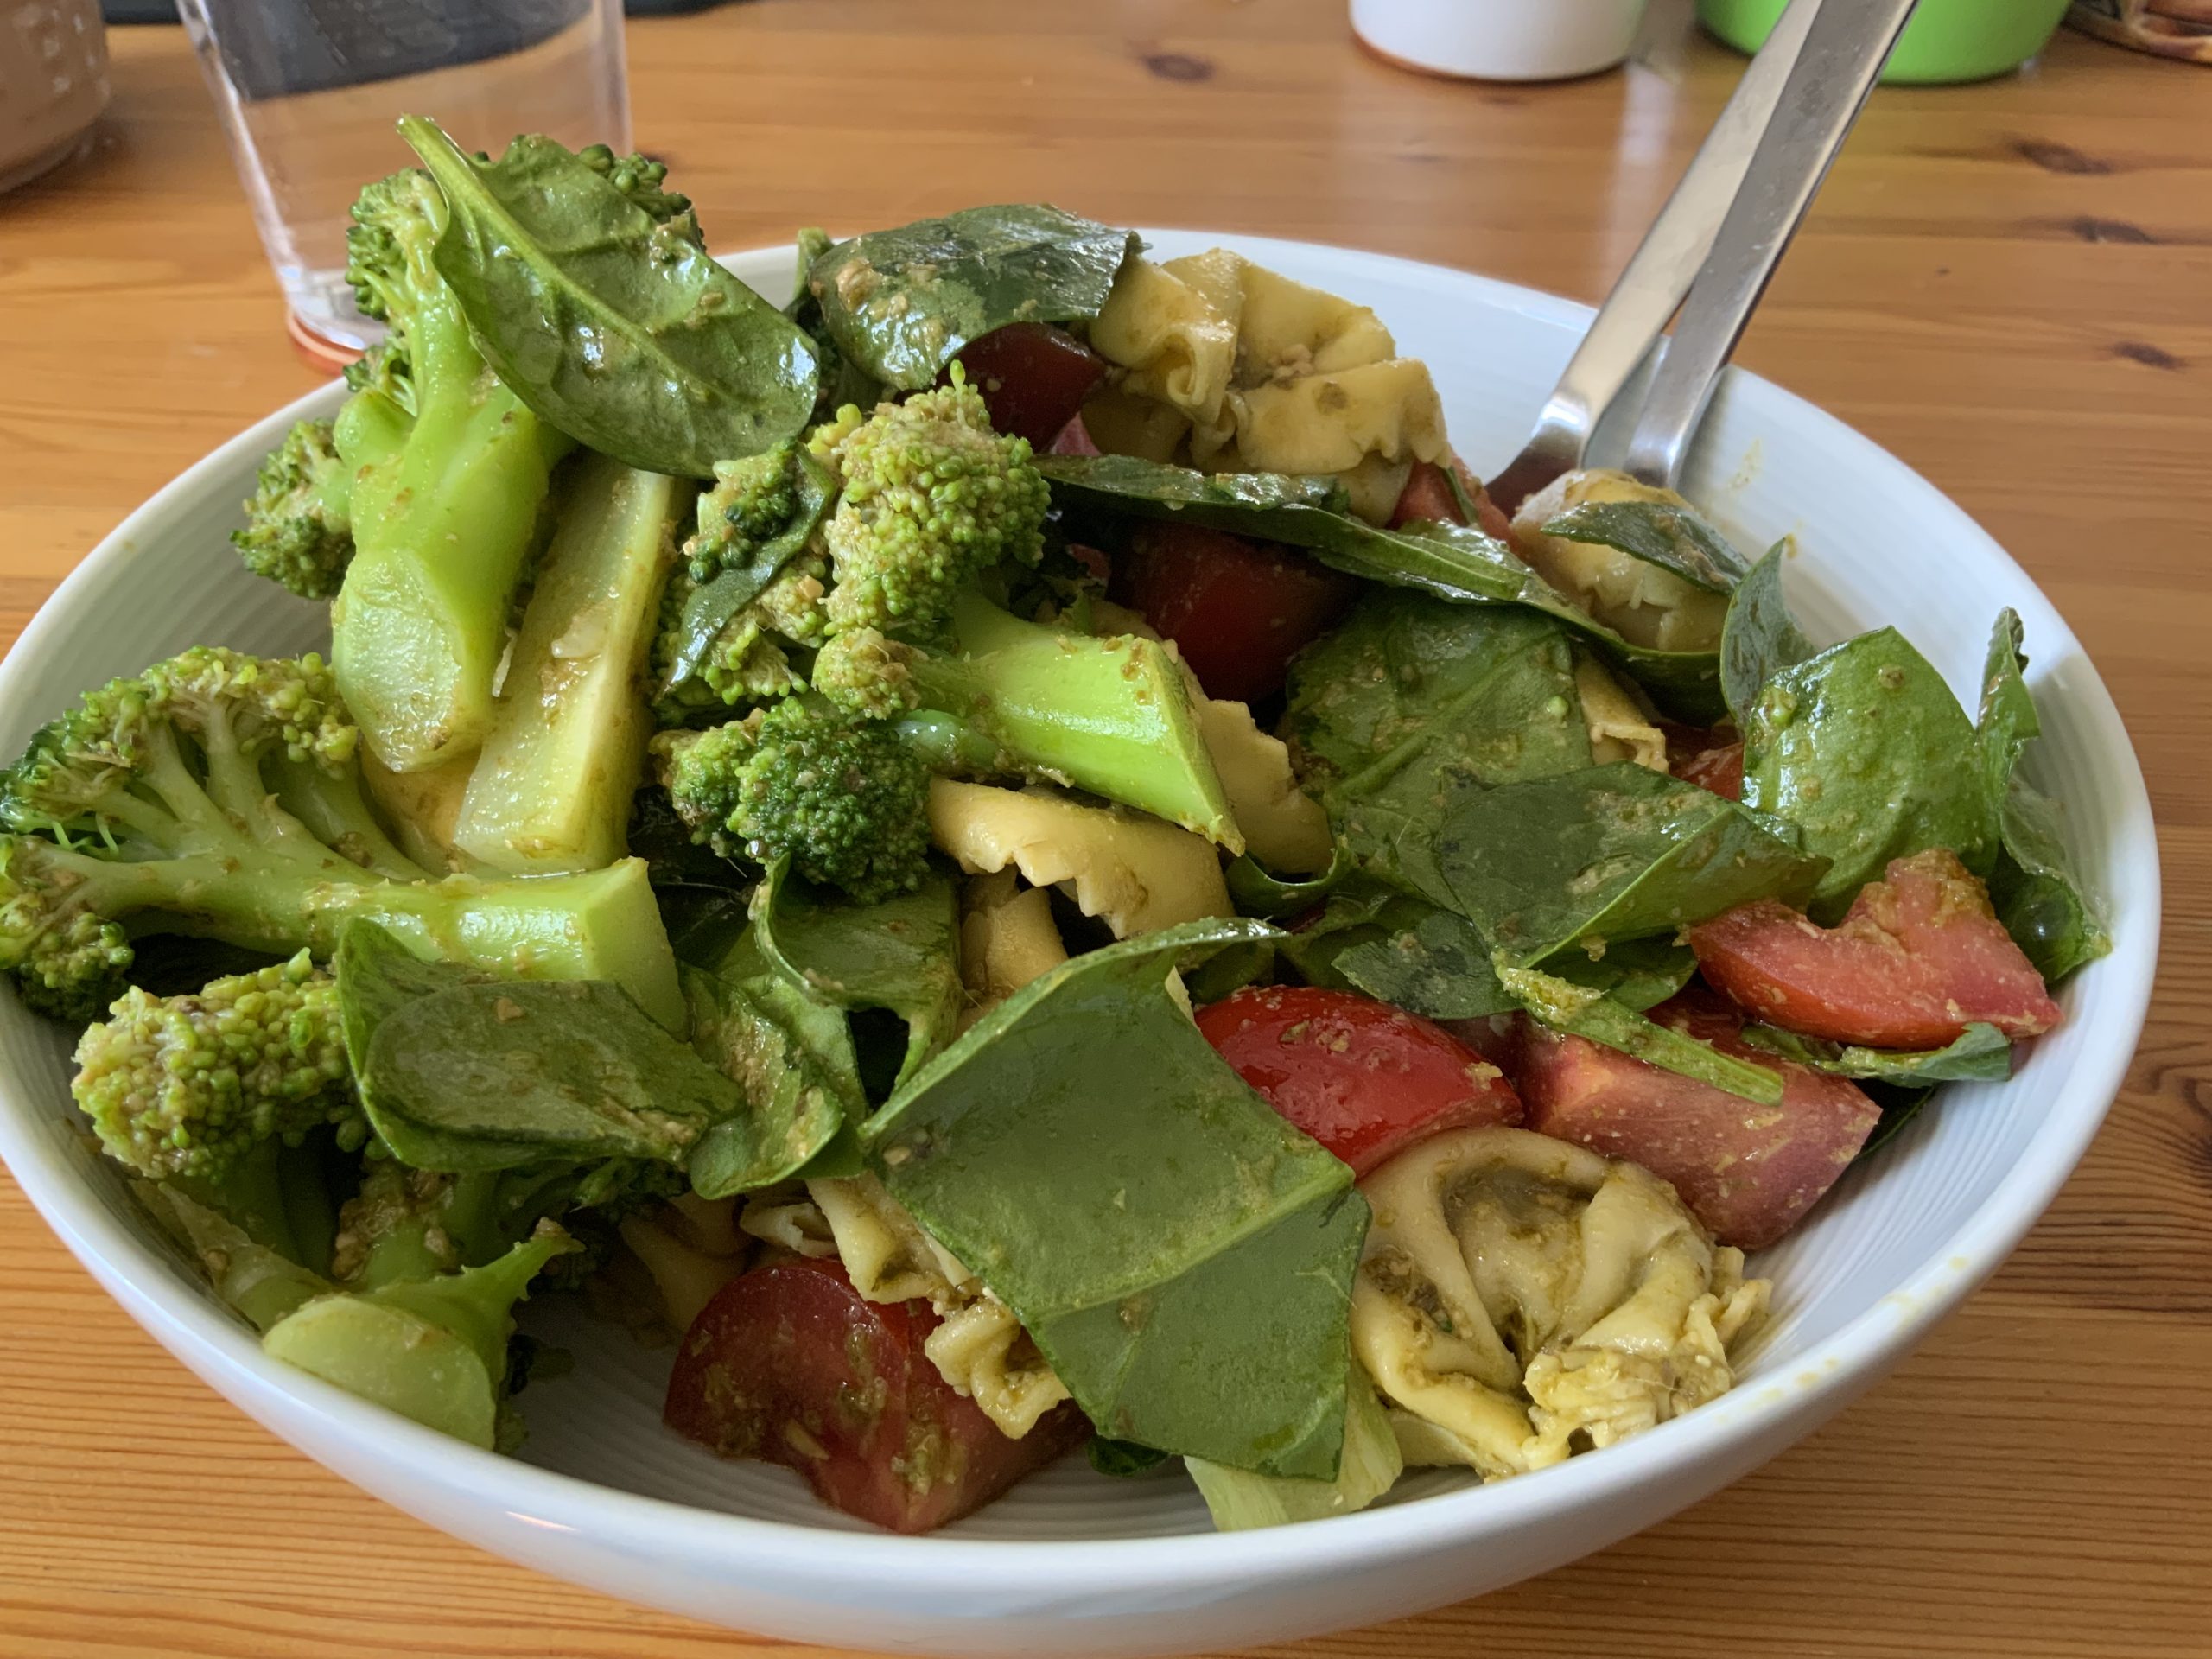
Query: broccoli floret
[
  {"x": 187, "y": 1085},
  {"x": 751, "y": 506},
  {"x": 862, "y": 671},
  {"x": 932, "y": 499},
  {"x": 640, "y": 178},
  {"x": 219, "y": 795},
  {"x": 843, "y": 795},
  {"x": 297, "y": 533},
  {"x": 439, "y": 454}
]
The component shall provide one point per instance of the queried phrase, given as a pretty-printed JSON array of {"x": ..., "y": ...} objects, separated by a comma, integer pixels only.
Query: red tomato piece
[
  {"x": 1363, "y": 1078},
  {"x": 1429, "y": 495},
  {"x": 1033, "y": 377},
  {"x": 1748, "y": 1172},
  {"x": 1074, "y": 439},
  {"x": 1918, "y": 958},
  {"x": 1712, "y": 758},
  {"x": 1238, "y": 610},
  {"x": 790, "y": 1365}
]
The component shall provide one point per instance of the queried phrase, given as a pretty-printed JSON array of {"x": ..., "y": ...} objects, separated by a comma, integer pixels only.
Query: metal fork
[{"x": 1717, "y": 241}]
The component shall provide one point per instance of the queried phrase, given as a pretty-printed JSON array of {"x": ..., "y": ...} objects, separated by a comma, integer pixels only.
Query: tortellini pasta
[
  {"x": 1619, "y": 729},
  {"x": 1520, "y": 1297},
  {"x": 978, "y": 1347},
  {"x": 1008, "y": 937},
  {"x": 1639, "y": 601},
  {"x": 1263, "y": 374}
]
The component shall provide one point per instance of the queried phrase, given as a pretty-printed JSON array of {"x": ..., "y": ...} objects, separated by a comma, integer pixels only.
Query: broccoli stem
[
  {"x": 551, "y": 790},
  {"x": 444, "y": 508},
  {"x": 1110, "y": 716}
]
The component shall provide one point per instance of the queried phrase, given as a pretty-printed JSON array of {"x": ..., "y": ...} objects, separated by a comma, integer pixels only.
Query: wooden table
[{"x": 2008, "y": 285}]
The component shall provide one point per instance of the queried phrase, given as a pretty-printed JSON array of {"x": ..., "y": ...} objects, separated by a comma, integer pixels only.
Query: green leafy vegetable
[
  {"x": 1413, "y": 701},
  {"x": 614, "y": 325},
  {"x": 2038, "y": 895},
  {"x": 1981, "y": 1054},
  {"x": 798, "y": 1104},
  {"x": 1256, "y": 893},
  {"x": 1590, "y": 1013},
  {"x": 1865, "y": 749},
  {"x": 1239, "y": 1499},
  {"x": 1084, "y": 1150},
  {"x": 900, "y": 954},
  {"x": 1672, "y": 536},
  {"x": 1595, "y": 858},
  {"x": 1759, "y": 637},
  {"x": 1456, "y": 563},
  {"x": 1401, "y": 950},
  {"x": 1899, "y": 1104},
  {"x": 900, "y": 303},
  {"x": 1123, "y": 1459}
]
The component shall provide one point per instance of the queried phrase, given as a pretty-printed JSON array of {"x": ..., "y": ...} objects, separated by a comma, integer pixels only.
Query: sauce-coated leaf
[
  {"x": 1865, "y": 749},
  {"x": 1582, "y": 1012},
  {"x": 615, "y": 327},
  {"x": 1982, "y": 1054},
  {"x": 1595, "y": 858},
  {"x": 1182, "y": 1256},
  {"x": 1675, "y": 539},
  {"x": 1457, "y": 562},
  {"x": 1759, "y": 637},
  {"x": 899, "y": 303}
]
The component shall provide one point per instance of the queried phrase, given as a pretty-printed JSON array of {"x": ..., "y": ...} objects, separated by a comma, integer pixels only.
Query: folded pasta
[
  {"x": 1521, "y": 1297},
  {"x": 1265, "y": 374}
]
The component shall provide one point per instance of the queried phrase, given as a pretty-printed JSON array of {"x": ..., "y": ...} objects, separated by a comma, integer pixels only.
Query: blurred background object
[
  {"x": 53, "y": 84},
  {"x": 2172, "y": 28},
  {"x": 1500, "y": 40},
  {"x": 1946, "y": 41},
  {"x": 307, "y": 90}
]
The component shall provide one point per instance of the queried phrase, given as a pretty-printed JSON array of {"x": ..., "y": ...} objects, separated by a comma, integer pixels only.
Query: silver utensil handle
[
  {"x": 1845, "y": 46},
  {"x": 1675, "y": 249}
]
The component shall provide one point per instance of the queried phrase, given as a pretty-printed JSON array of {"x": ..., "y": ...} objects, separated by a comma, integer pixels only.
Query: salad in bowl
[{"x": 1009, "y": 856}]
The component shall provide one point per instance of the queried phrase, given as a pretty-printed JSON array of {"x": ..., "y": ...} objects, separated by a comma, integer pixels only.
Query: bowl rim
[{"x": 289, "y": 1402}]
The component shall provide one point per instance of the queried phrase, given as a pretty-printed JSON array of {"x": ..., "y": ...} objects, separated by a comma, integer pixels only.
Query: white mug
[
  {"x": 1500, "y": 40},
  {"x": 52, "y": 83}
]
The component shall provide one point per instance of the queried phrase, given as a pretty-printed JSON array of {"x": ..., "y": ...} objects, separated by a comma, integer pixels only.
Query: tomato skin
[
  {"x": 1428, "y": 495},
  {"x": 1074, "y": 439},
  {"x": 1713, "y": 759},
  {"x": 1749, "y": 1173},
  {"x": 1238, "y": 610},
  {"x": 790, "y": 1365},
  {"x": 1033, "y": 377},
  {"x": 1364, "y": 1079},
  {"x": 1918, "y": 958}
]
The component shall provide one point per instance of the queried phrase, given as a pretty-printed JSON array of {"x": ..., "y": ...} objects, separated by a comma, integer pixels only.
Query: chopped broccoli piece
[
  {"x": 640, "y": 178},
  {"x": 439, "y": 455},
  {"x": 220, "y": 794},
  {"x": 932, "y": 499},
  {"x": 843, "y": 795},
  {"x": 297, "y": 531},
  {"x": 187, "y": 1085}
]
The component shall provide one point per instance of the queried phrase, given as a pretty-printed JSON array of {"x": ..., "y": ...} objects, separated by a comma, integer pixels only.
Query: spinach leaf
[
  {"x": 1123, "y": 1459},
  {"x": 1182, "y": 1256},
  {"x": 1982, "y": 1054},
  {"x": 615, "y": 327},
  {"x": 494, "y": 1076},
  {"x": 1900, "y": 1105},
  {"x": 1582, "y": 1012},
  {"x": 1759, "y": 638},
  {"x": 1595, "y": 858},
  {"x": 1865, "y": 749},
  {"x": 1458, "y": 563},
  {"x": 1401, "y": 950},
  {"x": 1413, "y": 701},
  {"x": 899, "y": 955},
  {"x": 1255, "y": 891},
  {"x": 377, "y": 976},
  {"x": 900, "y": 303},
  {"x": 798, "y": 1104},
  {"x": 708, "y": 607},
  {"x": 2037, "y": 894},
  {"x": 1672, "y": 536}
]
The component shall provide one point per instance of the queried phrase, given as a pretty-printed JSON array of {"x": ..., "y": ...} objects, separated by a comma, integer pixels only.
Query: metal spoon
[{"x": 1788, "y": 115}]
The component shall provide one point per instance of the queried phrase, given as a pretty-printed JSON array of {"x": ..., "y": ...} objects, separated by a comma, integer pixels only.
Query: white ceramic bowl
[
  {"x": 1500, "y": 40},
  {"x": 1073, "y": 1563}
]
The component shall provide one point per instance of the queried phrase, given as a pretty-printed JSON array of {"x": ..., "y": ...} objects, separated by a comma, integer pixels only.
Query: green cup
[{"x": 1946, "y": 40}]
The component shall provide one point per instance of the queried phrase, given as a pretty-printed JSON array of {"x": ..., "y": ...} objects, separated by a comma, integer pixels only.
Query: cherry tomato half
[{"x": 1238, "y": 610}]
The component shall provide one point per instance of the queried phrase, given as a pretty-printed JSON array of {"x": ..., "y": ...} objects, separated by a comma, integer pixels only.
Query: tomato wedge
[
  {"x": 1713, "y": 759},
  {"x": 1748, "y": 1172},
  {"x": 1238, "y": 610},
  {"x": 1918, "y": 958},
  {"x": 1429, "y": 495},
  {"x": 1363, "y": 1078},
  {"x": 1033, "y": 377},
  {"x": 790, "y": 1365}
]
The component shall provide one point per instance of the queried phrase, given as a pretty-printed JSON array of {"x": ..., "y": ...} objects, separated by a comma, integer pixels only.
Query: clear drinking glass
[{"x": 308, "y": 90}]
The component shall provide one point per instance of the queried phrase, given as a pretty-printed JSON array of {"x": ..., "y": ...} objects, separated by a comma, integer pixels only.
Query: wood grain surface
[{"x": 2008, "y": 285}]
